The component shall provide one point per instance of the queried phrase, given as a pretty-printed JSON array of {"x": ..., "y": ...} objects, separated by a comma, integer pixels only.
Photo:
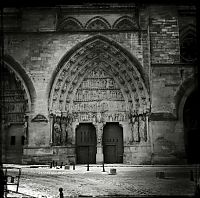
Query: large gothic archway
[{"x": 98, "y": 81}]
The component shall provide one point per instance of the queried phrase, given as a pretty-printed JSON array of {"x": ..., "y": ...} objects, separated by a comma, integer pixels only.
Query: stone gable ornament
[{"x": 39, "y": 118}]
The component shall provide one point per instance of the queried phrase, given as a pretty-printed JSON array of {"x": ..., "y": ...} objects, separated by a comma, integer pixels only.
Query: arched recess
[
  {"x": 20, "y": 75},
  {"x": 187, "y": 103},
  {"x": 70, "y": 24},
  {"x": 125, "y": 23},
  {"x": 184, "y": 91},
  {"x": 97, "y": 23},
  {"x": 106, "y": 56},
  {"x": 188, "y": 43},
  {"x": 18, "y": 95}
]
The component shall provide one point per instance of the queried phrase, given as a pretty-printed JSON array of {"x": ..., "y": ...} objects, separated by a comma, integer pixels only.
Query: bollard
[
  {"x": 103, "y": 167},
  {"x": 67, "y": 167},
  {"x": 88, "y": 166},
  {"x": 73, "y": 166},
  {"x": 160, "y": 175},
  {"x": 56, "y": 164},
  {"x": 61, "y": 192},
  {"x": 51, "y": 165},
  {"x": 61, "y": 165},
  {"x": 113, "y": 171}
]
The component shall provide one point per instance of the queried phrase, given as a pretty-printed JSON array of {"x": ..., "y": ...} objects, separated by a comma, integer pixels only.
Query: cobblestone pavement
[{"x": 129, "y": 180}]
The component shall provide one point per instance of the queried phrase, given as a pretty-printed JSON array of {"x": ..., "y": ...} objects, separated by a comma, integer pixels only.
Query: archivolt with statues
[{"x": 100, "y": 83}]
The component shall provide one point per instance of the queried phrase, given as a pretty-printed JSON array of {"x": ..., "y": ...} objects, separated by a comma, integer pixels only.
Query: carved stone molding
[{"x": 39, "y": 118}]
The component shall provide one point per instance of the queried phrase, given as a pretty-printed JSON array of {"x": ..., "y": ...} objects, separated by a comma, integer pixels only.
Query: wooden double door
[
  {"x": 86, "y": 144},
  {"x": 113, "y": 143}
]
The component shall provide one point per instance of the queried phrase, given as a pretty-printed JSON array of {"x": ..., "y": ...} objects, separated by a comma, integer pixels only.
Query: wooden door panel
[
  {"x": 86, "y": 143},
  {"x": 110, "y": 153},
  {"x": 113, "y": 143}
]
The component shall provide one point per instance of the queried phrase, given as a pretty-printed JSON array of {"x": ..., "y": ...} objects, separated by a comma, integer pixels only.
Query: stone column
[
  {"x": 51, "y": 128},
  {"x": 99, "y": 154}
]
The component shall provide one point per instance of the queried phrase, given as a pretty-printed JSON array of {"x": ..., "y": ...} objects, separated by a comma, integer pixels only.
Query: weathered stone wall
[
  {"x": 164, "y": 34},
  {"x": 167, "y": 75},
  {"x": 38, "y": 48}
]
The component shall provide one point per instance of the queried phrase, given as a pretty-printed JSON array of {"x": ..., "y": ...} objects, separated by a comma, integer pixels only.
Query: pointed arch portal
[
  {"x": 94, "y": 77},
  {"x": 17, "y": 102}
]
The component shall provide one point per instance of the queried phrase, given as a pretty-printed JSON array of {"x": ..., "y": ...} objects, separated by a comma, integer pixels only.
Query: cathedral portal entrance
[
  {"x": 86, "y": 143},
  {"x": 113, "y": 143},
  {"x": 15, "y": 105}
]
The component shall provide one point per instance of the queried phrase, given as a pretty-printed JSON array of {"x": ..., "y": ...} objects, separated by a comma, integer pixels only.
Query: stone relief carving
[
  {"x": 56, "y": 132},
  {"x": 62, "y": 129}
]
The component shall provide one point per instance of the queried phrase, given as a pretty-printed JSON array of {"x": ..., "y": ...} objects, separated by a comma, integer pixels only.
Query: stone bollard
[
  {"x": 51, "y": 165},
  {"x": 113, "y": 171},
  {"x": 61, "y": 192},
  {"x": 73, "y": 166},
  {"x": 88, "y": 166},
  {"x": 67, "y": 167},
  {"x": 160, "y": 175}
]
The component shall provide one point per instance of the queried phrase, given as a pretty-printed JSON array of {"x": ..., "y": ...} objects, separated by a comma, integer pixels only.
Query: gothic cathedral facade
[{"x": 99, "y": 83}]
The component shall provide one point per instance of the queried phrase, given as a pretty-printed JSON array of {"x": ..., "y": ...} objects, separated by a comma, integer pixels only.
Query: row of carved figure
[
  {"x": 99, "y": 106},
  {"x": 88, "y": 95},
  {"x": 104, "y": 83},
  {"x": 62, "y": 129}
]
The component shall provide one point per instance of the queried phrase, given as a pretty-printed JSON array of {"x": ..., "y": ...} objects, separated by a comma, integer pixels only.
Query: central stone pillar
[{"x": 99, "y": 154}]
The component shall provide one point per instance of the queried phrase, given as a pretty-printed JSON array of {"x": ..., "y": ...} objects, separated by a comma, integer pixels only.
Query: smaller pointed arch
[
  {"x": 125, "y": 23},
  {"x": 70, "y": 24},
  {"x": 97, "y": 23},
  {"x": 187, "y": 30}
]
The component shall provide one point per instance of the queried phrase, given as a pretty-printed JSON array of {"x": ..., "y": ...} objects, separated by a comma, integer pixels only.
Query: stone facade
[{"x": 90, "y": 64}]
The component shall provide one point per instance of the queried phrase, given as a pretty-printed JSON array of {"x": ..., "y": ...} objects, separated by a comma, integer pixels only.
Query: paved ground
[{"x": 129, "y": 180}]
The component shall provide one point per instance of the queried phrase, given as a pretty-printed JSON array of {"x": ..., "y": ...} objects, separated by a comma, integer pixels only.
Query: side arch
[
  {"x": 184, "y": 91},
  {"x": 21, "y": 75}
]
